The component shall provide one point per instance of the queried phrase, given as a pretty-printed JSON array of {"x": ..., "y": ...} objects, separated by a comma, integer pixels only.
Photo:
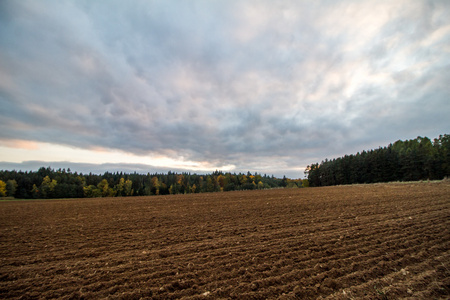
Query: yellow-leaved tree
[
  {"x": 156, "y": 184},
  {"x": 2, "y": 188},
  {"x": 128, "y": 188},
  {"x": 105, "y": 190},
  {"x": 48, "y": 187}
]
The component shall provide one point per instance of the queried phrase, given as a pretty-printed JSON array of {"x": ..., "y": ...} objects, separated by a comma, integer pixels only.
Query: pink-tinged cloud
[{"x": 20, "y": 144}]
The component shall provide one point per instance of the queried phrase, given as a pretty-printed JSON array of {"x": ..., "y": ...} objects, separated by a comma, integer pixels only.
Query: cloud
[
  {"x": 259, "y": 85},
  {"x": 21, "y": 144}
]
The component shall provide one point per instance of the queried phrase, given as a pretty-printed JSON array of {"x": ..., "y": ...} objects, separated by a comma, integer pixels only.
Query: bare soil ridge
[{"x": 384, "y": 241}]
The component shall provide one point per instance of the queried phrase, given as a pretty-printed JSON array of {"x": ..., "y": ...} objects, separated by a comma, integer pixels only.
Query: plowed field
[{"x": 383, "y": 241}]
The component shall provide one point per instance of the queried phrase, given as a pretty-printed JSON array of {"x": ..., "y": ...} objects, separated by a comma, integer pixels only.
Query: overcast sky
[{"x": 267, "y": 86}]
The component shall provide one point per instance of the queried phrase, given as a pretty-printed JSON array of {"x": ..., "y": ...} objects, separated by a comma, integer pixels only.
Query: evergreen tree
[{"x": 417, "y": 159}]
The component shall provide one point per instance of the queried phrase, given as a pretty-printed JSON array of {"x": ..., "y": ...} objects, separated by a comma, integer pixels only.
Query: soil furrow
[{"x": 363, "y": 241}]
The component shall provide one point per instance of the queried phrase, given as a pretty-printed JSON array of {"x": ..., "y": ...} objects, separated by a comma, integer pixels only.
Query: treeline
[
  {"x": 48, "y": 183},
  {"x": 410, "y": 160}
]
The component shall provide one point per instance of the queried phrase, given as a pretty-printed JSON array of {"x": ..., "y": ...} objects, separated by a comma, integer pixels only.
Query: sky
[{"x": 197, "y": 86}]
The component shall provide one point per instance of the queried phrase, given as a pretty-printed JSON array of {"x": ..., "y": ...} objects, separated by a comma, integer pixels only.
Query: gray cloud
[{"x": 262, "y": 85}]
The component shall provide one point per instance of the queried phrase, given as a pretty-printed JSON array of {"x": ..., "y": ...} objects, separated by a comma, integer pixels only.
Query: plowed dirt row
[{"x": 384, "y": 241}]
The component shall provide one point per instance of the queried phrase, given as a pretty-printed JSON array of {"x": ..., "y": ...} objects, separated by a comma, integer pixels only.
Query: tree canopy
[
  {"x": 410, "y": 160},
  {"x": 61, "y": 183}
]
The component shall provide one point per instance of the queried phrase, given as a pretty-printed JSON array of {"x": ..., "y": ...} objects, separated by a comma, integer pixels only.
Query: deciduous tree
[
  {"x": 2, "y": 189},
  {"x": 11, "y": 187}
]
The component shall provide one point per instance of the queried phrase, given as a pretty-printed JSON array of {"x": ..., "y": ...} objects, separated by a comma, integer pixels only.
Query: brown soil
[{"x": 383, "y": 241}]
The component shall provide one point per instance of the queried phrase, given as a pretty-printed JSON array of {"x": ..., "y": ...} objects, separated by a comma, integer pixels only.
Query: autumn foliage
[{"x": 48, "y": 183}]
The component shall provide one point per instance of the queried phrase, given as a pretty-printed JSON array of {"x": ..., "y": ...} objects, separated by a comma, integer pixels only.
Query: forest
[
  {"x": 410, "y": 160},
  {"x": 62, "y": 183}
]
